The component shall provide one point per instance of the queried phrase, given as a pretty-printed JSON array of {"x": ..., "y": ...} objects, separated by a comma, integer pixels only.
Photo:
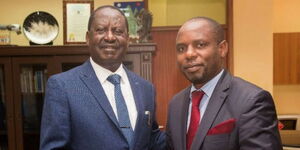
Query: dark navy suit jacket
[{"x": 78, "y": 116}]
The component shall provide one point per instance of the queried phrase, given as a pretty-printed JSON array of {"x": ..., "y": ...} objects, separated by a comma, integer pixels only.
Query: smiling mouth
[
  {"x": 193, "y": 68},
  {"x": 109, "y": 49}
]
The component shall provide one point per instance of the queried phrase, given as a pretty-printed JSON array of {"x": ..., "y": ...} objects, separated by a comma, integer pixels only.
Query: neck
[{"x": 112, "y": 67}]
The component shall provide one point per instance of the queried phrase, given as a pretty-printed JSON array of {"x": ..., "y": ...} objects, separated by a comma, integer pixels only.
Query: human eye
[
  {"x": 119, "y": 31},
  {"x": 180, "y": 48},
  {"x": 201, "y": 44},
  {"x": 100, "y": 30}
]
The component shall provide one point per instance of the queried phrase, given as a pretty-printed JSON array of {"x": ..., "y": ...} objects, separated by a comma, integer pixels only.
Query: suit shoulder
[
  {"x": 139, "y": 78},
  {"x": 180, "y": 96},
  {"x": 246, "y": 89},
  {"x": 67, "y": 75},
  {"x": 241, "y": 84}
]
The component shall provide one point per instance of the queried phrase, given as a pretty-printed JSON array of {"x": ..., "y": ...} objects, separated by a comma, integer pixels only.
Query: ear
[
  {"x": 87, "y": 37},
  {"x": 223, "y": 48}
]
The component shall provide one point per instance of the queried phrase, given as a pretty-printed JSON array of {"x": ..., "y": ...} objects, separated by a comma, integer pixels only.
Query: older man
[{"x": 101, "y": 105}]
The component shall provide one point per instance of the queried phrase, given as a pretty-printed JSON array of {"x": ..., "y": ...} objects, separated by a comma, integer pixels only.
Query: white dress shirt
[
  {"x": 208, "y": 89},
  {"x": 102, "y": 74}
]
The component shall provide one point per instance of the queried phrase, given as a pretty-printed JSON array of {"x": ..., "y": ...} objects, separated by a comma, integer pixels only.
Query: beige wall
[
  {"x": 287, "y": 99},
  {"x": 176, "y": 12},
  {"x": 159, "y": 11},
  {"x": 285, "y": 16},
  {"x": 253, "y": 41}
]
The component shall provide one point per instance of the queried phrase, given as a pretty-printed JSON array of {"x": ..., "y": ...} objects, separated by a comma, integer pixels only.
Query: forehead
[
  {"x": 108, "y": 14},
  {"x": 195, "y": 30}
]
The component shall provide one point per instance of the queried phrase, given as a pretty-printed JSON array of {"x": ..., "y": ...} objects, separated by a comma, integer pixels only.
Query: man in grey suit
[
  {"x": 101, "y": 105},
  {"x": 218, "y": 111}
]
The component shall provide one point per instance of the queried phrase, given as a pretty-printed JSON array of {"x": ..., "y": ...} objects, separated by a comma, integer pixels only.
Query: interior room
[{"x": 264, "y": 48}]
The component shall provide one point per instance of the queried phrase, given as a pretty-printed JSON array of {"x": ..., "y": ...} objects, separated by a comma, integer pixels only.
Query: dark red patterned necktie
[{"x": 195, "y": 118}]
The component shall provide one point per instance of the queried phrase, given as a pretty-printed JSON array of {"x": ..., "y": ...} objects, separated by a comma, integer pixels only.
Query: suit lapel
[
  {"x": 90, "y": 79},
  {"x": 214, "y": 105},
  {"x": 184, "y": 116}
]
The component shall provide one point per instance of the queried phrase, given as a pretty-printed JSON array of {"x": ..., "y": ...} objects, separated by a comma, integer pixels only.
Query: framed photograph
[
  {"x": 4, "y": 37},
  {"x": 75, "y": 18}
]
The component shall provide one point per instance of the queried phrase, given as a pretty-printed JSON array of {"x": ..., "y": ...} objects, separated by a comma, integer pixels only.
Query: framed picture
[
  {"x": 4, "y": 37},
  {"x": 131, "y": 10},
  {"x": 75, "y": 18}
]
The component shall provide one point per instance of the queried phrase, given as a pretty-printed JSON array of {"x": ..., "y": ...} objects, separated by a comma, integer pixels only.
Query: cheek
[
  {"x": 213, "y": 60},
  {"x": 180, "y": 58},
  {"x": 96, "y": 37},
  {"x": 123, "y": 40}
]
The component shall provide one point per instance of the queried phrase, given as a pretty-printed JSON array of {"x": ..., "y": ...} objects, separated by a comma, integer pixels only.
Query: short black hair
[
  {"x": 91, "y": 19},
  {"x": 217, "y": 28}
]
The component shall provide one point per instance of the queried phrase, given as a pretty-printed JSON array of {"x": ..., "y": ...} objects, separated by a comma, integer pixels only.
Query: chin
[{"x": 196, "y": 78}]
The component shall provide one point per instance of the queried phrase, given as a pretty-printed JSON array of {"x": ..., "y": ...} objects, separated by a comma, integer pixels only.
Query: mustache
[{"x": 109, "y": 45}]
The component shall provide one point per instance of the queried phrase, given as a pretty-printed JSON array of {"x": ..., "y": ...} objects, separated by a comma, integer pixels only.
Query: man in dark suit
[
  {"x": 218, "y": 111},
  {"x": 101, "y": 105}
]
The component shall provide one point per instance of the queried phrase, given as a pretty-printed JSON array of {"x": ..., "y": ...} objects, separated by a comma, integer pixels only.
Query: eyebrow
[{"x": 179, "y": 44}]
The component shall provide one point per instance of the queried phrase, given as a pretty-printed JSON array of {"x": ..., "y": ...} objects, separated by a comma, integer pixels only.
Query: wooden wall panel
[
  {"x": 286, "y": 58},
  {"x": 167, "y": 78}
]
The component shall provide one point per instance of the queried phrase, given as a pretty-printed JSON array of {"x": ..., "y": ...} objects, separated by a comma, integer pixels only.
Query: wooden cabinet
[
  {"x": 286, "y": 58},
  {"x": 7, "y": 124},
  {"x": 23, "y": 75}
]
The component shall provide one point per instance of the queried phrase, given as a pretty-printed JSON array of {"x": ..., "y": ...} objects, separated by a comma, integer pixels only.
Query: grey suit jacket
[
  {"x": 78, "y": 116},
  {"x": 239, "y": 116}
]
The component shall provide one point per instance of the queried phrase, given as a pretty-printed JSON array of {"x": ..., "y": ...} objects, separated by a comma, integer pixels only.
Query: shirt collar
[
  {"x": 209, "y": 87},
  {"x": 102, "y": 73}
]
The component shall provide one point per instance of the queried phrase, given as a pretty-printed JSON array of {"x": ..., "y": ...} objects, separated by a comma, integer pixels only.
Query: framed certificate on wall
[{"x": 75, "y": 18}]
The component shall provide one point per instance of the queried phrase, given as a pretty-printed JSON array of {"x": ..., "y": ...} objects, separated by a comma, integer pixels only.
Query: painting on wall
[{"x": 131, "y": 11}]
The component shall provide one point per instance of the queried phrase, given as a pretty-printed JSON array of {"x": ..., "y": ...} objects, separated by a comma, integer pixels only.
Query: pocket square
[{"x": 224, "y": 127}]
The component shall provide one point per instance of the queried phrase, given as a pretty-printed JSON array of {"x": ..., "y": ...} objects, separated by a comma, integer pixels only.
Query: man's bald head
[{"x": 216, "y": 28}]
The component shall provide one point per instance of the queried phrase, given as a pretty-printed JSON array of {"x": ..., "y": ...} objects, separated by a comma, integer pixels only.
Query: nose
[
  {"x": 191, "y": 52},
  {"x": 109, "y": 36}
]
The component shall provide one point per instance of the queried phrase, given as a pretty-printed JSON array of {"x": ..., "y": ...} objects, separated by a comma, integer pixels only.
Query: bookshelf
[{"x": 24, "y": 71}]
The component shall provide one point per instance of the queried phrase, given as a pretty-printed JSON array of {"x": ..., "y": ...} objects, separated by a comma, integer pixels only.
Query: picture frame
[
  {"x": 76, "y": 14},
  {"x": 130, "y": 10},
  {"x": 4, "y": 37}
]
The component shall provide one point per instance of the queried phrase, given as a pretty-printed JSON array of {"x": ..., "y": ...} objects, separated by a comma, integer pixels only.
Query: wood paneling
[
  {"x": 167, "y": 78},
  {"x": 286, "y": 58},
  {"x": 229, "y": 34}
]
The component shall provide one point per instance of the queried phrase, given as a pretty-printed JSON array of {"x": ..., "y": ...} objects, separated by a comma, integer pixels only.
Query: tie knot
[
  {"x": 114, "y": 79},
  {"x": 196, "y": 97}
]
